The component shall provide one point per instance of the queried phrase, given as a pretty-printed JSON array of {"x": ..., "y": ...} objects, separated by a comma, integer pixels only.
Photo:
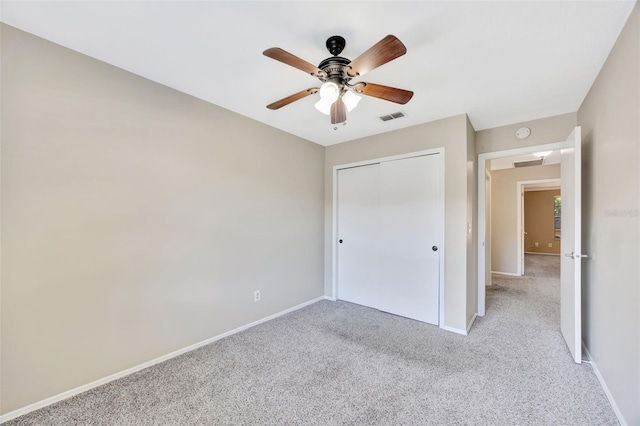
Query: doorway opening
[
  {"x": 503, "y": 186},
  {"x": 538, "y": 218},
  {"x": 568, "y": 262}
]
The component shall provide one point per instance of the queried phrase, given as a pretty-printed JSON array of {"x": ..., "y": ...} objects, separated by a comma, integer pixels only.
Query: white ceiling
[{"x": 500, "y": 62}]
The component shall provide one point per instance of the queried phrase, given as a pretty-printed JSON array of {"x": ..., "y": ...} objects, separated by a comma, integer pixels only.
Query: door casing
[
  {"x": 520, "y": 215},
  {"x": 482, "y": 234}
]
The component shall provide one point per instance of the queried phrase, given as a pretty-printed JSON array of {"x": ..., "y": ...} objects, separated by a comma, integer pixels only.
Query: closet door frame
[{"x": 334, "y": 236}]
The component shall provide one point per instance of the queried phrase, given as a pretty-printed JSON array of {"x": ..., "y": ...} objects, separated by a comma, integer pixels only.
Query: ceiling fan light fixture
[
  {"x": 337, "y": 96},
  {"x": 350, "y": 100}
]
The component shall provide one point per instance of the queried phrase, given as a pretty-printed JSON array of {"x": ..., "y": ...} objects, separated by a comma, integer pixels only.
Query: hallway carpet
[{"x": 335, "y": 363}]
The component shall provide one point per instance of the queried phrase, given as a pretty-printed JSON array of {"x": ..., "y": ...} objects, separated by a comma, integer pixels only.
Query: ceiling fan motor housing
[
  {"x": 335, "y": 44},
  {"x": 333, "y": 67}
]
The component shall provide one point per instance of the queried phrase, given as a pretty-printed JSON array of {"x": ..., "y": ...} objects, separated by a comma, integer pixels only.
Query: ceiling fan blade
[
  {"x": 289, "y": 99},
  {"x": 387, "y": 49},
  {"x": 399, "y": 96},
  {"x": 338, "y": 112},
  {"x": 292, "y": 60}
]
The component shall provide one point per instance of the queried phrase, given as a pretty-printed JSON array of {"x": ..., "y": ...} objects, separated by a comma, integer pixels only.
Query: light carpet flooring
[{"x": 335, "y": 363}]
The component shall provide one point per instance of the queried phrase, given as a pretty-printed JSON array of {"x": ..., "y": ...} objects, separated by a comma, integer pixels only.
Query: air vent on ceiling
[
  {"x": 393, "y": 116},
  {"x": 528, "y": 163}
]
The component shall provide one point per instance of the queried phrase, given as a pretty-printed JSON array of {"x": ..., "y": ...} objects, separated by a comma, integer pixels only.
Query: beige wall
[
  {"x": 610, "y": 120},
  {"x": 450, "y": 133},
  {"x": 504, "y": 202},
  {"x": 137, "y": 220},
  {"x": 539, "y": 222},
  {"x": 545, "y": 130}
]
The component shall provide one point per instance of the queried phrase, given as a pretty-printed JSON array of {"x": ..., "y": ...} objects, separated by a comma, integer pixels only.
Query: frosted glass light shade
[
  {"x": 323, "y": 106},
  {"x": 329, "y": 91},
  {"x": 351, "y": 100}
]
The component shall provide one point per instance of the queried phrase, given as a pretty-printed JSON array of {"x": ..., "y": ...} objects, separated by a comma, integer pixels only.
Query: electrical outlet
[
  {"x": 550, "y": 244},
  {"x": 256, "y": 296},
  {"x": 536, "y": 244}
]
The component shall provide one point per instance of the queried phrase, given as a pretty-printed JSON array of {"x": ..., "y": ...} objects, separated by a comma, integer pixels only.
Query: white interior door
[
  {"x": 358, "y": 222},
  {"x": 570, "y": 243},
  {"x": 411, "y": 212}
]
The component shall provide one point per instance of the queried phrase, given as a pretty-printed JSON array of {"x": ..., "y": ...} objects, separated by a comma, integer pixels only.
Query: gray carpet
[{"x": 335, "y": 363}]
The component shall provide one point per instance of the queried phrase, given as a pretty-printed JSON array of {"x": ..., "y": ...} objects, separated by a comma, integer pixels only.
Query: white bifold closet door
[{"x": 390, "y": 227}]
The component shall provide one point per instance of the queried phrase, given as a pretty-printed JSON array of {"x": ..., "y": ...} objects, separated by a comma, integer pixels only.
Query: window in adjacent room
[{"x": 557, "y": 208}]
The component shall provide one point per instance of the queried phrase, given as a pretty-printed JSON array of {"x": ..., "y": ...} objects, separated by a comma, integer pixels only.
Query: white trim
[
  {"x": 482, "y": 158},
  {"x": 544, "y": 254},
  {"x": 605, "y": 388},
  {"x": 473, "y": 319},
  {"x": 333, "y": 299},
  {"x": 487, "y": 219},
  {"x": 520, "y": 229},
  {"x": 481, "y": 229},
  {"x": 334, "y": 223},
  {"x": 511, "y": 274},
  {"x": 68, "y": 394},
  {"x": 334, "y": 236},
  {"x": 443, "y": 244},
  {"x": 453, "y": 329},
  {"x": 545, "y": 188},
  {"x": 389, "y": 158}
]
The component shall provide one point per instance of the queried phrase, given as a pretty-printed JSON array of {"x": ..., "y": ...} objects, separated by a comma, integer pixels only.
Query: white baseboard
[
  {"x": 473, "y": 319},
  {"x": 68, "y": 394},
  {"x": 454, "y": 330},
  {"x": 544, "y": 254},
  {"x": 333, "y": 299},
  {"x": 605, "y": 388},
  {"x": 506, "y": 273}
]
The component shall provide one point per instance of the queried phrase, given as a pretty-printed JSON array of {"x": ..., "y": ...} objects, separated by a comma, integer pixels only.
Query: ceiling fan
[{"x": 337, "y": 93}]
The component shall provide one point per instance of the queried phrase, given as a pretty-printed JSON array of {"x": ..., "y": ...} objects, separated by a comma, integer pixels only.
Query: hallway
[{"x": 533, "y": 297}]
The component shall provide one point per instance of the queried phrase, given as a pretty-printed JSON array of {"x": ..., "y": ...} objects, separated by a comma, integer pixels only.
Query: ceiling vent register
[
  {"x": 528, "y": 163},
  {"x": 393, "y": 116}
]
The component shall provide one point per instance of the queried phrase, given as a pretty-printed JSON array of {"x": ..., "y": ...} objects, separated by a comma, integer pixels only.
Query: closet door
[
  {"x": 358, "y": 241},
  {"x": 411, "y": 209}
]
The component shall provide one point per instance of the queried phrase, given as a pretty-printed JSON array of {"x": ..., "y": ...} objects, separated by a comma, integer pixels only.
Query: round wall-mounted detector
[{"x": 523, "y": 132}]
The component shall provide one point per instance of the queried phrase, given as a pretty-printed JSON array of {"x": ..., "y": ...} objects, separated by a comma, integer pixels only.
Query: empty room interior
[{"x": 320, "y": 213}]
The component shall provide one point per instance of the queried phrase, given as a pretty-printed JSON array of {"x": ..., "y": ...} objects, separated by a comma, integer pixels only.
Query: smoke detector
[{"x": 523, "y": 132}]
